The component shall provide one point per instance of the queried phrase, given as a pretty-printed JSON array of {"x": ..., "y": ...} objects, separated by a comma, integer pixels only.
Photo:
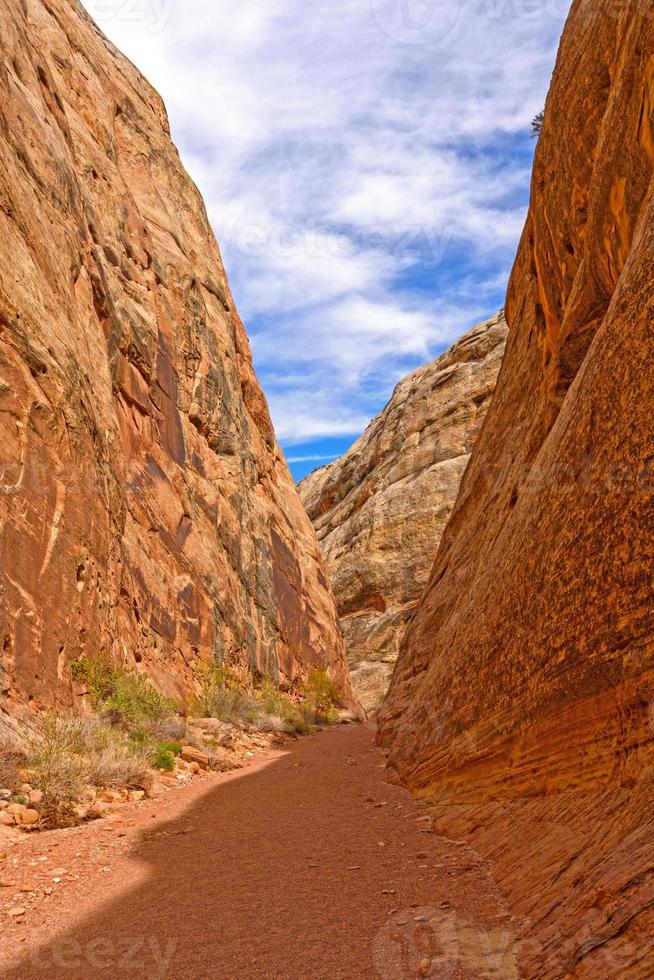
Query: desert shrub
[
  {"x": 320, "y": 697},
  {"x": 213, "y": 681},
  {"x": 163, "y": 758},
  {"x": 54, "y": 757},
  {"x": 68, "y": 751},
  {"x": 265, "y": 706},
  {"x": 165, "y": 729},
  {"x": 120, "y": 764},
  {"x": 120, "y": 694},
  {"x": 221, "y": 696},
  {"x": 270, "y": 698}
]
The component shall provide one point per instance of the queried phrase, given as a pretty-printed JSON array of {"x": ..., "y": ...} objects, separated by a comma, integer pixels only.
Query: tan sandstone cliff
[
  {"x": 380, "y": 510},
  {"x": 527, "y": 675},
  {"x": 145, "y": 507}
]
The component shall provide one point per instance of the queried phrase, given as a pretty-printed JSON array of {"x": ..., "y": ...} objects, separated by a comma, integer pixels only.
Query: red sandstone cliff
[
  {"x": 380, "y": 509},
  {"x": 145, "y": 507},
  {"x": 528, "y": 671}
]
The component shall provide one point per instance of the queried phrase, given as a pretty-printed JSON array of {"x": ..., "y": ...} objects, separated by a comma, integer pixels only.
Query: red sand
[{"x": 289, "y": 868}]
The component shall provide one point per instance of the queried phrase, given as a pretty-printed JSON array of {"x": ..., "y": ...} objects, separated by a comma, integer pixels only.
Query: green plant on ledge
[{"x": 124, "y": 696}]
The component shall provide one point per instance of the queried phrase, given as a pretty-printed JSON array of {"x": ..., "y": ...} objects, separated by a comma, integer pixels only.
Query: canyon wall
[
  {"x": 527, "y": 674},
  {"x": 145, "y": 506},
  {"x": 380, "y": 510}
]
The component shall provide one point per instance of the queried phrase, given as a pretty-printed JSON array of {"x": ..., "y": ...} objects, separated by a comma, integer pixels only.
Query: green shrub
[
  {"x": 175, "y": 748},
  {"x": 537, "y": 124},
  {"x": 163, "y": 759},
  {"x": 126, "y": 697},
  {"x": 321, "y": 697}
]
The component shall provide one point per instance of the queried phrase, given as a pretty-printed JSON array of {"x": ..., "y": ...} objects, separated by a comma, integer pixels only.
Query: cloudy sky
[{"x": 365, "y": 165}]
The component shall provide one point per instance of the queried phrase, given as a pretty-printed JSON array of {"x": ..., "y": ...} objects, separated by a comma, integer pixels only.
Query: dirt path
[{"x": 307, "y": 864}]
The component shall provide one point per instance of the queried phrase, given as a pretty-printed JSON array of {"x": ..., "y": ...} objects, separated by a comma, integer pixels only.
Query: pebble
[
  {"x": 15, "y": 913},
  {"x": 425, "y": 967}
]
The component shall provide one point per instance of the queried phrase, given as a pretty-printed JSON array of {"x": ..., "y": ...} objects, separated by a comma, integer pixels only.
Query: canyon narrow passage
[{"x": 306, "y": 864}]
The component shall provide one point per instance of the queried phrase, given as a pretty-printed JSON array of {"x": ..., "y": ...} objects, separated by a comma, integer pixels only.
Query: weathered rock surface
[
  {"x": 145, "y": 506},
  {"x": 528, "y": 670},
  {"x": 380, "y": 510}
]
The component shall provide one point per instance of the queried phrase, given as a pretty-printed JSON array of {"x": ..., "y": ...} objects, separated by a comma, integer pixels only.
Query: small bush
[
  {"x": 54, "y": 757},
  {"x": 221, "y": 697},
  {"x": 120, "y": 764},
  {"x": 163, "y": 759},
  {"x": 537, "y": 124},
  {"x": 125, "y": 697},
  {"x": 213, "y": 681},
  {"x": 165, "y": 729},
  {"x": 321, "y": 697}
]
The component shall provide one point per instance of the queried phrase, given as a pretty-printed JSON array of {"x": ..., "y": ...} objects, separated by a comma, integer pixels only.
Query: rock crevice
[{"x": 379, "y": 510}]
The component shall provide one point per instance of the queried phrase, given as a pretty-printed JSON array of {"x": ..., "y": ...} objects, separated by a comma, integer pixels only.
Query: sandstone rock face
[
  {"x": 380, "y": 510},
  {"x": 145, "y": 506},
  {"x": 528, "y": 670}
]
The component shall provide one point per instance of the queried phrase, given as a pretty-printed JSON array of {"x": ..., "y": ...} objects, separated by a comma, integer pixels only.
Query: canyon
[
  {"x": 521, "y": 705},
  {"x": 147, "y": 511},
  {"x": 380, "y": 510},
  {"x": 492, "y": 530}
]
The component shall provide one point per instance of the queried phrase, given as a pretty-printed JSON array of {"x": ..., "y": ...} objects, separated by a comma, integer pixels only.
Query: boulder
[{"x": 191, "y": 754}]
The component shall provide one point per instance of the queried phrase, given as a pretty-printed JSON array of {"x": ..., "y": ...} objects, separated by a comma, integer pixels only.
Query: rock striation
[
  {"x": 527, "y": 675},
  {"x": 380, "y": 510},
  {"x": 146, "y": 509}
]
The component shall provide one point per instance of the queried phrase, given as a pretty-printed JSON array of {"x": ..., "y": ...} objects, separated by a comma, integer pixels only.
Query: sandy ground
[{"x": 306, "y": 864}]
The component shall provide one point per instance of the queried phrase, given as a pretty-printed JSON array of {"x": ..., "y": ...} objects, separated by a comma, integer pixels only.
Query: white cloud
[{"x": 363, "y": 165}]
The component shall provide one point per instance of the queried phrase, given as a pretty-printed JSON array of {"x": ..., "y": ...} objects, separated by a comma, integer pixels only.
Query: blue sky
[{"x": 365, "y": 165}]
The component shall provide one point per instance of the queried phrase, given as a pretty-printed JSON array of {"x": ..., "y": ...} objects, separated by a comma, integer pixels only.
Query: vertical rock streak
[
  {"x": 145, "y": 506},
  {"x": 527, "y": 673}
]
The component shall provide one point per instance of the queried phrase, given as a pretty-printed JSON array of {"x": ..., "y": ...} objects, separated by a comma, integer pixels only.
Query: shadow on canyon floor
[{"x": 307, "y": 866}]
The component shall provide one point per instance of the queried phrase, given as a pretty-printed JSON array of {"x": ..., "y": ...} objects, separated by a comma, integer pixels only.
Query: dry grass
[
  {"x": 119, "y": 764},
  {"x": 54, "y": 758},
  {"x": 68, "y": 752}
]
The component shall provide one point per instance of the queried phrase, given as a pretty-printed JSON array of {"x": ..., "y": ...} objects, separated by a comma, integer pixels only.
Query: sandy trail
[{"x": 307, "y": 864}]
